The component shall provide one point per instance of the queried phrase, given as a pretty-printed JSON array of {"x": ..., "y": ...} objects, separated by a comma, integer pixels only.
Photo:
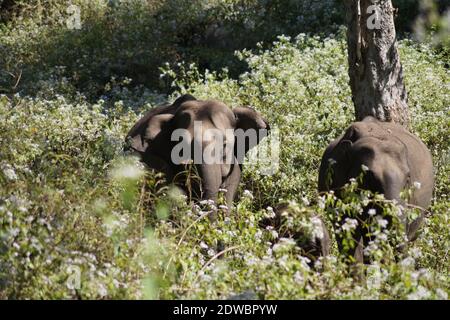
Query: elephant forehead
[
  {"x": 384, "y": 152},
  {"x": 211, "y": 110},
  {"x": 212, "y": 134}
]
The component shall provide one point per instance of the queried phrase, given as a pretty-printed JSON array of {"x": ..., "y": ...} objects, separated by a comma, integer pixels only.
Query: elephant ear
[
  {"x": 149, "y": 126},
  {"x": 156, "y": 124},
  {"x": 342, "y": 150},
  {"x": 141, "y": 137},
  {"x": 249, "y": 118},
  {"x": 250, "y": 129}
]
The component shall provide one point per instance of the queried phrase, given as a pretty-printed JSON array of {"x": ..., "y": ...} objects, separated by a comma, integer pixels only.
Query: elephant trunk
[{"x": 211, "y": 175}]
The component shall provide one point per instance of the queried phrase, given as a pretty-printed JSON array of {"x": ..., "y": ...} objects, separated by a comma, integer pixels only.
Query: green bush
[
  {"x": 133, "y": 39},
  {"x": 72, "y": 207}
]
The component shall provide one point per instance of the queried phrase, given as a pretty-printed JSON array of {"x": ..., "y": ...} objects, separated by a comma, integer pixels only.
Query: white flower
[
  {"x": 304, "y": 261},
  {"x": 102, "y": 291},
  {"x": 371, "y": 248},
  {"x": 322, "y": 202},
  {"x": 421, "y": 294},
  {"x": 415, "y": 252},
  {"x": 298, "y": 277},
  {"x": 247, "y": 194},
  {"x": 208, "y": 202},
  {"x": 287, "y": 241},
  {"x": 417, "y": 185},
  {"x": 203, "y": 245},
  {"x": 382, "y": 237},
  {"x": 441, "y": 294},
  {"x": 382, "y": 222},
  {"x": 274, "y": 234},
  {"x": 9, "y": 172},
  {"x": 317, "y": 232},
  {"x": 364, "y": 168},
  {"x": 305, "y": 201},
  {"x": 372, "y": 212},
  {"x": 349, "y": 224},
  {"x": 270, "y": 212},
  {"x": 408, "y": 262}
]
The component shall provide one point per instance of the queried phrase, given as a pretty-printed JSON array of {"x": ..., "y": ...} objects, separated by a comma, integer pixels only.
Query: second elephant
[{"x": 394, "y": 160}]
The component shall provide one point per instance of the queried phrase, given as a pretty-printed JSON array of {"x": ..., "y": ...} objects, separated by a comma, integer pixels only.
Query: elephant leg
[{"x": 412, "y": 229}]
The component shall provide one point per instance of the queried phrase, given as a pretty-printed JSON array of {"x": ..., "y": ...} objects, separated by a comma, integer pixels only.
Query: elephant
[
  {"x": 392, "y": 159},
  {"x": 223, "y": 136}
]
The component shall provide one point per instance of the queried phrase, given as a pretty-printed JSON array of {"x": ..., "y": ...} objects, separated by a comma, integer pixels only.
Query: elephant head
[{"x": 207, "y": 134}]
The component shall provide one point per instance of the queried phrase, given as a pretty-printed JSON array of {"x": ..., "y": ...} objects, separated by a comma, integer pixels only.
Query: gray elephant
[
  {"x": 206, "y": 133},
  {"x": 394, "y": 160}
]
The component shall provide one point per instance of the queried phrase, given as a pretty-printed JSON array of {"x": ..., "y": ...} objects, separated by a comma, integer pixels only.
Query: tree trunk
[{"x": 376, "y": 76}]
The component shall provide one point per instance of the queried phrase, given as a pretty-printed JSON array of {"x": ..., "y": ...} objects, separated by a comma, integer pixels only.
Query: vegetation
[{"x": 73, "y": 207}]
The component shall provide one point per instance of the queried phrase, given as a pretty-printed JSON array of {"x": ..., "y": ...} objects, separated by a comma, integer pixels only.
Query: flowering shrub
[
  {"x": 78, "y": 219},
  {"x": 132, "y": 39}
]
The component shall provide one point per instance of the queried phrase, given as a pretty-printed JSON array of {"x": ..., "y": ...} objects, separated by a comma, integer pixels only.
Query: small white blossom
[
  {"x": 317, "y": 232},
  {"x": 441, "y": 294},
  {"x": 305, "y": 201},
  {"x": 372, "y": 212},
  {"x": 248, "y": 194},
  {"x": 382, "y": 222},
  {"x": 382, "y": 237},
  {"x": 270, "y": 212},
  {"x": 9, "y": 172},
  {"x": 349, "y": 224},
  {"x": 102, "y": 291},
  {"x": 421, "y": 294},
  {"x": 298, "y": 277},
  {"x": 415, "y": 252},
  {"x": 408, "y": 262},
  {"x": 364, "y": 168},
  {"x": 321, "y": 202},
  {"x": 274, "y": 234}
]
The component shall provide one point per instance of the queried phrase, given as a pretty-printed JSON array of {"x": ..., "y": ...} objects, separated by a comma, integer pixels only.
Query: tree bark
[{"x": 376, "y": 75}]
